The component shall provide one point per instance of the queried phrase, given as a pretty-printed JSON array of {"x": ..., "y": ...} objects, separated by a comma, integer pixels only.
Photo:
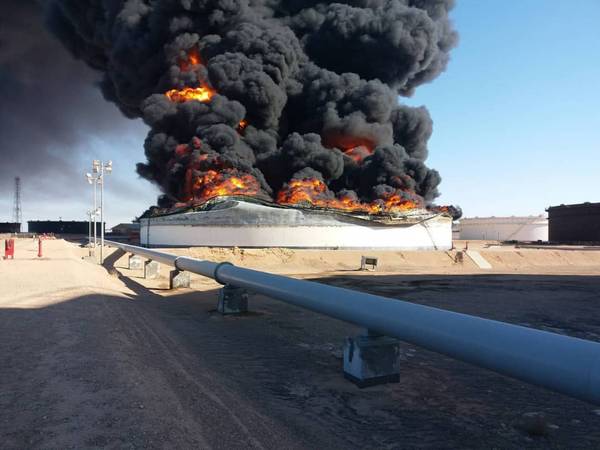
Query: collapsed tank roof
[
  {"x": 242, "y": 211},
  {"x": 238, "y": 223}
]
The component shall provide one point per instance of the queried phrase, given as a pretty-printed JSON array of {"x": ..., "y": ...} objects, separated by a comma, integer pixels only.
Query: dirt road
[
  {"x": 87, "y": 363},
  {"x": 90, "y": 360}
]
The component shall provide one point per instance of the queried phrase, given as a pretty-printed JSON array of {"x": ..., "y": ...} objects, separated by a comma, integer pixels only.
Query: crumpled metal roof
[{"x": 239, "y": 210}]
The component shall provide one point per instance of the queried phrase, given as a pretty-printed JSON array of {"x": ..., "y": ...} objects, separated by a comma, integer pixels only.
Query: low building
[
  {"x": 10, "y": 227},
  {"x": 521, "y": 229},
  {"x": 455, "y": 231},
  {"x": 61, "y": 227},
  {"x": 125, "y": 229},
  {"x": 578, "y": 223}
]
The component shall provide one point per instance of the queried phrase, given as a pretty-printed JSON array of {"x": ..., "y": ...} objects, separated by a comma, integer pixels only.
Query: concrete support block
[
  {"x": 371, "y": 359},
  {"x": 136, "y": 262},
  {"x": 232, "y": 300},
  {"x": 179, "y": 279},
  {"x": 151, "y": 270}
]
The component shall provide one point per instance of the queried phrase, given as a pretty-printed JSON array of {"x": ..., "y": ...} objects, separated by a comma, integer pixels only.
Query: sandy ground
[
  {"x": 94, "y": 360},
  {"x": 504, "y": 259}
]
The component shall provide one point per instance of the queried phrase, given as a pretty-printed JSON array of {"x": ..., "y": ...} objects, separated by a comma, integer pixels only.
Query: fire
[
  {"x": 358, "y": 154},
  {"x": 193, "y": 59},
  {"x": 208, "y": 177},
  {"x": 308, "y": 191},
  {"x": 450, "y": 210},
  {"x": 357, "y": 148},
  {"x": 182, "y": 150},
  {"x": 226, "y": 182},
  {"x": 314, "y": 192},
  {"x": 398, "y": 202},
  {"x": 202, "y": 94}
]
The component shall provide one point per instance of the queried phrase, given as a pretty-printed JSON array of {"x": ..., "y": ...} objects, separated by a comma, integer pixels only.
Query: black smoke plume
[
  {"x": 316, "y": 83},
  {"x": 49, "y": 106}
]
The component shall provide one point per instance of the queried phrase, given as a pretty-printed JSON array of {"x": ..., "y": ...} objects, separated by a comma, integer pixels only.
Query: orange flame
[
  {"x": 227, "y": 182},
  {"x": 207, "y": 176},
  {"x": 202, "y": 94},
  {"x": 193, "y": 59},
  {"x": 355, "y": 147},
  {"x": 202, "y": 183},
  {"x": 358, "y": 154},
  {"x": 397, "y": 202},
  {"x": 308, "y": 191},
  {"x": 314, "y": 192}
]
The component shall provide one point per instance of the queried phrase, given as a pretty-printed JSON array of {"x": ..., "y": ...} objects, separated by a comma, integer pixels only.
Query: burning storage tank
[
  {"x": 251, "y": 224},
  {"x": 523, "y": 229},
  {"x": 292, "y": 104}
]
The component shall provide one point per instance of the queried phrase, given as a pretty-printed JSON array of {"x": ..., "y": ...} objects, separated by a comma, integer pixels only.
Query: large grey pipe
[{"x": 565, "y": 364}]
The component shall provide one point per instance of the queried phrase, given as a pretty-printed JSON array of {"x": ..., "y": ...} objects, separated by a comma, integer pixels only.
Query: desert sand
[{"x": 97, "y": 356}]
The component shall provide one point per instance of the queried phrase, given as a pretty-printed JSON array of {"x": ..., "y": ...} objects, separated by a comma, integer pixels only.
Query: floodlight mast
[
  {"x": 101, "y": 181},
  {"x": 104, "y": 168},
  {"x": 99, "y": 169},
  {"x": 92, "y": 179},
  {"x": 89, "y": 214}
]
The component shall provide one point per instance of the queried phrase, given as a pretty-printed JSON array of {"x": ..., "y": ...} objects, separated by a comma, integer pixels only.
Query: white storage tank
[
  {"x": 240, "y": 224},
  {"x": 523, "y": 229}
]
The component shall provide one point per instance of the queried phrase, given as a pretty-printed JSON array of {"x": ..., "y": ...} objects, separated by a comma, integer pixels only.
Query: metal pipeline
[
  {"x": 564, "y": 364},
  {"x": 161, "y": 257}
]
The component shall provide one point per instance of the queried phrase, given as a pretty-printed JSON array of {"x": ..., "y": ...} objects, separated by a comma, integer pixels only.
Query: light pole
[
  {"x": 93, "y": 180},
  {"x": 99, "y": 169},
  {"x": 89, "y": 213},
  {"x": 103, "y": 169}
]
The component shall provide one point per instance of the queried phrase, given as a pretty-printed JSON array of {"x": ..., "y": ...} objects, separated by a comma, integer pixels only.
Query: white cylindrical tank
[
  {"x": 524, "y": 229},
  {"x": 248, "y": 225}
]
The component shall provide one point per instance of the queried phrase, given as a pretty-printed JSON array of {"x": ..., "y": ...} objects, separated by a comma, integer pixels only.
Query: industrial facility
[
  {"x": 578, "y": 223},
  {"x": 521, "y": 229},
  {"x": 233, "y": 223},
  {"x": 61, "y": 227},
  {"x": 128, "y": 231},
  {"x": 10, "y": 227}
]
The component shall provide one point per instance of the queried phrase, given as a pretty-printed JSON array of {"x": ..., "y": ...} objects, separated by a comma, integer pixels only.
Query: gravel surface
[{"x": 100, "y": 358}]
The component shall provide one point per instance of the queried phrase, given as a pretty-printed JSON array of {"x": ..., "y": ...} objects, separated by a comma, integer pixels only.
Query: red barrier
[
  {"x": 9, "y": 249},
  {"x": 40, "y": 247}
]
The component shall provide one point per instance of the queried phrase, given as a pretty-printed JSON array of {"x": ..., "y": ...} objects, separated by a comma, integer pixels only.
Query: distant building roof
[
  {"x": 575, "y": 206},
  {"x": 127, "y": 227},
  {"x": 503, "y": 220},
  {"x": 57, "y": 221}
]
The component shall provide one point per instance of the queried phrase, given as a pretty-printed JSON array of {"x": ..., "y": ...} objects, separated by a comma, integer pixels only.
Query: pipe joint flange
[{"x": 217, "y": 272}]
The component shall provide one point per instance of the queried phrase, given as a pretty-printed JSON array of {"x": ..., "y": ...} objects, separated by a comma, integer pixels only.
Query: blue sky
[
  {"x": 517, "y": 113},
  {"x": 516, "y": 120}
]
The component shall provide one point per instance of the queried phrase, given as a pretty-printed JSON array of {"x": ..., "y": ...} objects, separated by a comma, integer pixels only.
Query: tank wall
[
  {"x": 575, "y": 223},
  {"x": 10, "y": 227},
  {"x": 434, "y": 235},
  {"x": 536, "y": 231}
]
